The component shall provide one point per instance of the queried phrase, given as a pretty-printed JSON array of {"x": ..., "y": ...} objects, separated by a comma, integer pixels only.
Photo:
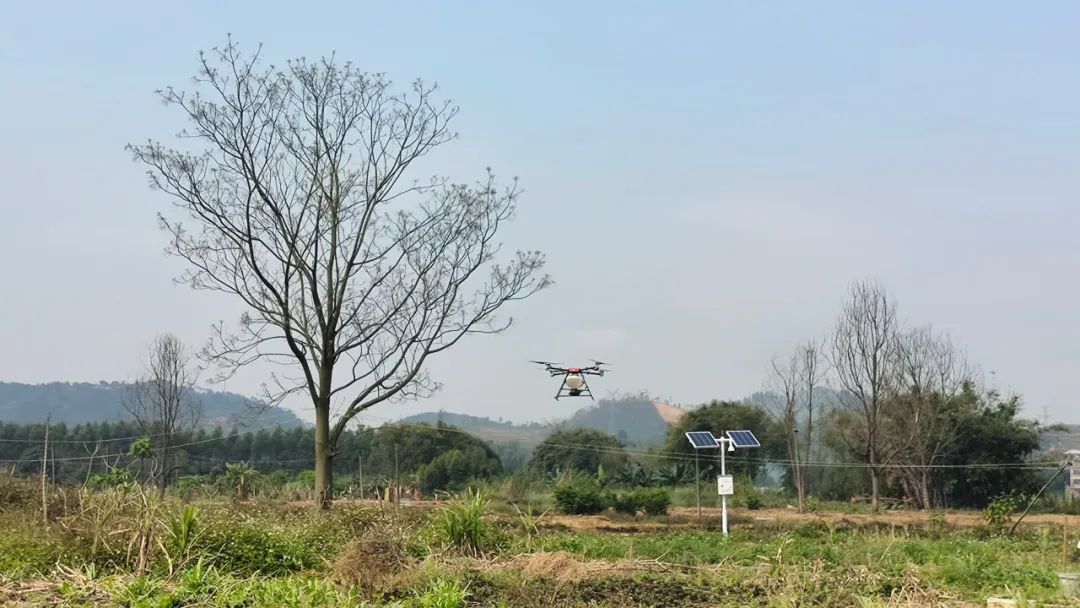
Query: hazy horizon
[{"x": 706, "y": 181}]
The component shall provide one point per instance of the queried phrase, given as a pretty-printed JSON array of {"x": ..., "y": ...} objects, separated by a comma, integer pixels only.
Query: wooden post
[
  {"x": 697, "y": 483},
  {"x": 397, "y": 478},
  {"x": 360, "y": 464},
  {"x": 44, "y": 473},
  {"x": 1065, "y": 543}
]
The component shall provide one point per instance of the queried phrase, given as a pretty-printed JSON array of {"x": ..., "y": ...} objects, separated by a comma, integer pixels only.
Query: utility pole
[{"x": 44, "y": 473}]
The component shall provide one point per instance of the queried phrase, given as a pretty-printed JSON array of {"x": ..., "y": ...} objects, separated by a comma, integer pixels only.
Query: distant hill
[
  {"x": 82, "y": 402},
  {"x": 635, "y": 420},
  {"x": 485, "y": 428}
]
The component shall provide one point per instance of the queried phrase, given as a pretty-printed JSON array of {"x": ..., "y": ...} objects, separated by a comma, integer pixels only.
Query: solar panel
[
  {"x": 743, "y": 439},
  {"x": 702, "y": 439}
]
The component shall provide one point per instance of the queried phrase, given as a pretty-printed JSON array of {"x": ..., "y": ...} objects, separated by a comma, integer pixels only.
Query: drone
[{"x": 573, "y": 381}]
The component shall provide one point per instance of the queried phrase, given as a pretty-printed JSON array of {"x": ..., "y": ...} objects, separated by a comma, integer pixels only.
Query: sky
[{"x": 706, "y": 179}]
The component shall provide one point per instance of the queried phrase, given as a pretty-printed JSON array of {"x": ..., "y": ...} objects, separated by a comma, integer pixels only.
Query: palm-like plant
[{"x": 240, "y": 476}]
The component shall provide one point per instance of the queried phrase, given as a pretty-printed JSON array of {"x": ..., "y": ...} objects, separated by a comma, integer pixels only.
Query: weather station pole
[
  {"x": 725, "y": 485},
  {"x": 723, "y": 497}
]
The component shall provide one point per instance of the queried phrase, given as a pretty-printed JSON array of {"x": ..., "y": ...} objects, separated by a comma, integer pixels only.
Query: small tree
[
  {"x": 162, "y": 401},
  {"x": 581, "y": 450},
  {"x": 719, "y": 417},
  {"x": 240, "y": 476},
  {"x": 302, "y": 209}
]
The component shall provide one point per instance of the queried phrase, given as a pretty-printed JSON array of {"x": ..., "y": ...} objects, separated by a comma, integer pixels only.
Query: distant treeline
[{"x": 77, "y": 453}]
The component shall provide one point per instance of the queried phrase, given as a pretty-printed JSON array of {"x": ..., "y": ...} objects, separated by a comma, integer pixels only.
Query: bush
[
  {"x": 753, "y": 501},
  {"x": 454, "y": 469},
  {"x": 580, "y": 496},
  {"x": 15, "y": 493},
  {"x": 241, "y": 541},
  {"x": 444, "y": 593},
  {"x": 653, "y": 501},
  {"x": 1001, "y": 509}
]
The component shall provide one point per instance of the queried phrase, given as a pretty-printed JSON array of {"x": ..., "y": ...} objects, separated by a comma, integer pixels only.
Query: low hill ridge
[{"x": 82, "y": 402}]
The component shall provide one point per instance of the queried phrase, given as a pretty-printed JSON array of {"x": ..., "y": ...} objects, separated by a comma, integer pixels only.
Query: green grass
[
  {"x": 264, "y": 554},
  {"x": 963, "y": 563}
]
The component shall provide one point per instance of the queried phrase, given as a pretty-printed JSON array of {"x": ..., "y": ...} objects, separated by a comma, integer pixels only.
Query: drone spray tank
[{"x": 574, "y": 382}]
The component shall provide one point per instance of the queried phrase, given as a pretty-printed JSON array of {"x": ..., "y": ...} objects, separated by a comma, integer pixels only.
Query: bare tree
[
  {"x": 796, "y": 382},
  {"x": 865, "y": 349},
  {"x": 812, "y": 374},
  {"x": 162, "y": 401},
  {"x": 786, "y": 381},
  {"x": 353, "y": 277},
  {"x": 932, "y": 372}
]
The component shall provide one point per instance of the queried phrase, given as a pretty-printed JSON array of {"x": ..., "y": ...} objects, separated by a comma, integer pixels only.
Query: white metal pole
[{"x": 723, "y": 497}]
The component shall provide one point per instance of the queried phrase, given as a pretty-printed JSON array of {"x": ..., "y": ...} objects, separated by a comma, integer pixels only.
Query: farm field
[{"x": 120, "y": 547}]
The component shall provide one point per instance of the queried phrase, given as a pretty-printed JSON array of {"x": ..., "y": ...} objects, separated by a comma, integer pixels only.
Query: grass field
[{"x": 121, "y": 547}]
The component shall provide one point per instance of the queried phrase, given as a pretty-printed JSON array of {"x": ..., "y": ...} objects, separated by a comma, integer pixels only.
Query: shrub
[
  {"x": 1000, "y": 509},
  {"x": 26, "y": 548},
  {"x": 248, "y": 546},
  {"x": 444, "y": 593},
  {"x": 15, "y": 492},
  {"x": 753, "y": 501},
  {"x": 580, "y": 496},
  {"x": 653, "y": 501}
]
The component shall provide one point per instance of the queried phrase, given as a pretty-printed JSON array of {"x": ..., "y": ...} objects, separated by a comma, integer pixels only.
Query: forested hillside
[{"x": 82, "y": 402}]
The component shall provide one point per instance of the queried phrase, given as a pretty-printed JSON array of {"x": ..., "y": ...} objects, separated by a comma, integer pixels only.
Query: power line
[{"x": 666, "y": 455}]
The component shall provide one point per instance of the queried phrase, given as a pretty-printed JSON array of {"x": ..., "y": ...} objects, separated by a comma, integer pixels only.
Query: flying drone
[{"x": 573, "y": 378}]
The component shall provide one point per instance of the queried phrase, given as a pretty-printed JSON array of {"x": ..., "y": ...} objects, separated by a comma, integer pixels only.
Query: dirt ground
[{"x": 687, "y": 517}]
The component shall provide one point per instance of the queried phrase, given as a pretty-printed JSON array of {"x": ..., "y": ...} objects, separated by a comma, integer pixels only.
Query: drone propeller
[
  {"x": 542, "y": 362},
  {"x": 599, "y": 363}
]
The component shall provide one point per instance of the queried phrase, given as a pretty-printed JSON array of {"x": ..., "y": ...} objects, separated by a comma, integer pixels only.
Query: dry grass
[
  {"x": 372, "y": 562},
  {"x": 565, "y": 568}
]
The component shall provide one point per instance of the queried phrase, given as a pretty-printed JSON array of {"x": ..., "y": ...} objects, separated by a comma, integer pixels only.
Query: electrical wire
[{"x": 664, "y": 455}]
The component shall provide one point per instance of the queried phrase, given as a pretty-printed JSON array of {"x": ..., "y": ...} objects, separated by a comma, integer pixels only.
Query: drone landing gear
[{"x": 566, "y": 391}]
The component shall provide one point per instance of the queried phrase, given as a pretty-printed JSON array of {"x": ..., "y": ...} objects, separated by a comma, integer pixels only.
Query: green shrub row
[{"x": 585, "y": 496}]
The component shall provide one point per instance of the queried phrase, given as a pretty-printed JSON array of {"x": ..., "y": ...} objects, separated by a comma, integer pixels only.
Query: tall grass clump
[{"x": 461, "y": 524}]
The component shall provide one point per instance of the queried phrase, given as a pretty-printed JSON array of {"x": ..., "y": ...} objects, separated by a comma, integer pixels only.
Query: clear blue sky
[{"x": 706, "y": 178}]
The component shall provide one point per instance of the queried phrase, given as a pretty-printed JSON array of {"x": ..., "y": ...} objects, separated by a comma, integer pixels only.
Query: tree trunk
[
  {"x": 797, "y": 471},
  {"x": 924, "y": 487},
  {"x": 163, "y": 478},
  {"x": 323, "y": 454},
  {"x": 875, "y": 502}
]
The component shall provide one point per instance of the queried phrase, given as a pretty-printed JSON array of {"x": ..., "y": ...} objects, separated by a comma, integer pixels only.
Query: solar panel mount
[
  {"x": 743, "y": 439},
  {"x": 702, "y": 440}
]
